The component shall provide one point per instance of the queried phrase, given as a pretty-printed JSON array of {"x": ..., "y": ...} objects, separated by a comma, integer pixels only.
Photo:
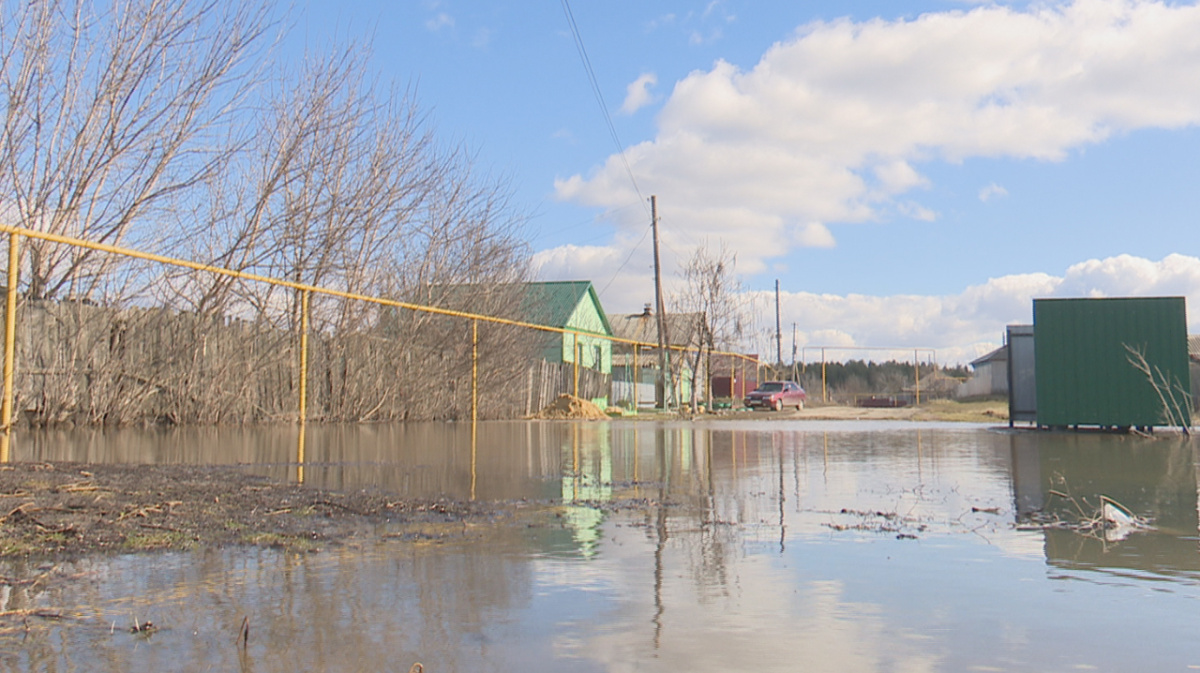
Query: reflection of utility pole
[
  {"x": 660, "y": 527},
  {"x": 782, "y": 496},
  {"x": 666, "y": 384}
]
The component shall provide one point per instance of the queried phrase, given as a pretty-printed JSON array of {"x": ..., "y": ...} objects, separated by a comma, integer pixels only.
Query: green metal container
[{"x": 1085, "y": 352}]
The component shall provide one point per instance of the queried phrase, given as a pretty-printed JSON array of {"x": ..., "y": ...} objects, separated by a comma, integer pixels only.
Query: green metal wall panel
[{"x": 1083, "y": 369}]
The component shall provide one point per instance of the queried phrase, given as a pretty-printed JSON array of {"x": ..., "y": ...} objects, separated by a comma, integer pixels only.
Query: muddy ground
[{"x": 73, "y": 508}]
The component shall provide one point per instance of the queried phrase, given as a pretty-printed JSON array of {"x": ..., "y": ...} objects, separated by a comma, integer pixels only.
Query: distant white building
[{"x": 991, "y": 375}]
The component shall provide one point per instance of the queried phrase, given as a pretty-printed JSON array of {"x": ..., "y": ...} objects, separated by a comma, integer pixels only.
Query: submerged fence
[{"x": 167, "y": 365}]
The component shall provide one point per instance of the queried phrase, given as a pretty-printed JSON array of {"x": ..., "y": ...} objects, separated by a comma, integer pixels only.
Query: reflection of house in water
[
  {"x": 586, "y": 477},
  {"x": 640, "y": 461},
  {"x": 1154, "y": 479}
]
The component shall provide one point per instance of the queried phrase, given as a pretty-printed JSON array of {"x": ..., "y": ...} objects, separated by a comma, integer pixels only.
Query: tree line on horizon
[{"x": 864, "y": 377}]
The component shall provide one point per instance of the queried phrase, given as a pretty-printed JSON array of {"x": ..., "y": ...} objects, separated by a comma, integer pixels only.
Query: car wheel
[
  {"x": 800, "y": 406},
  {"x": 777, "y": 405}
]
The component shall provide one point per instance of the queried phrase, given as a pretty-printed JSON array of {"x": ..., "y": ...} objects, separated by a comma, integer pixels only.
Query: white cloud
[
  {"x": 899, "y": 176},
  {"x": 637, "y": 94},
  {"x": 916, "y": 211},
  {"x": 968, "y": 324},
  {"x": 990, "y": 191},
  {"x": 960, "y": 326},
  {"x": 442, "y": 20},
  {"x": 1123, "y": 275},
  {"x": 828, "y": 125},
  {"x": 815, "y": 235}
]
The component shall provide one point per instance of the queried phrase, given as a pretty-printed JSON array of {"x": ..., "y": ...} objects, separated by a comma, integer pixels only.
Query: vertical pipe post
[
  {"x": 917, "y": 371},
  {"x": 303, "y": 386},
  {"x": 637, "y": 377},
  {"x": 10, "y": 342},
  {"x": 474, "y": 371},
  {"x": 474, "y": 399},
  {"x": 733, "y": 396},
  {"x": 576, "y": 358},
  {"x": 824, "y": 385}
]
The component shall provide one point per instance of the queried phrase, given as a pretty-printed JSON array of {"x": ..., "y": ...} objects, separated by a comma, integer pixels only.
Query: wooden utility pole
[
  {"x": 793, "y": 345},
  {"x": 665, "y": 388},
  {"x": 778, "y": 328}
]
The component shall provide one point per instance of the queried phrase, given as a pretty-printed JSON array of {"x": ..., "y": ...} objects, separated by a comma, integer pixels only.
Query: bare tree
[
  {"x": 710, "y": 293},
  {"x": 145, "y": 122},
  {"x": 110, "y": 117}
]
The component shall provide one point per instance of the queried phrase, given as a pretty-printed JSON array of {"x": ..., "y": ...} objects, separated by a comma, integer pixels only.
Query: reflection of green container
[{"x": 1083, "y": 366}]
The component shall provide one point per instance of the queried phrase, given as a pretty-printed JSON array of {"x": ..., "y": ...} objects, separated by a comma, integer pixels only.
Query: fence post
[
  {"x": 637, "y": 376},
  {"x": 474, "y": 398},
  {"x": 824, "y": 387},
  {"x": 474, "y": 371},
  {"x": 917, "y": 371},
  {"x": 303, "y": 384},
  {"x": 10, "y": 341}
]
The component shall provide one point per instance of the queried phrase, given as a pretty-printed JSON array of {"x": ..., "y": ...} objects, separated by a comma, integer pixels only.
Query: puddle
[{"x": 736, "y": 546}]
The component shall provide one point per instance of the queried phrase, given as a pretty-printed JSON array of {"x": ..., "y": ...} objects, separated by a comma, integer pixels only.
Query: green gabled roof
[{"x": 552, "y": 303}]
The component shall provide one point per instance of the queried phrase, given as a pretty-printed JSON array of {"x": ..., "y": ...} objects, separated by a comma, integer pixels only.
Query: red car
[{"x": 776, "y": 395}]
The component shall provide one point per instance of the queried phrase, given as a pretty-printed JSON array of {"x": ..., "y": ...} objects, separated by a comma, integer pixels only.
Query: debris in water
[{"x": 1111, "y": 521}]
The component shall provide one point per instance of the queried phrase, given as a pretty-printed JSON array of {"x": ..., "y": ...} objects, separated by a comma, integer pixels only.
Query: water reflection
[
  {"x": 1154, "y": 479},
  {"x": 727, "y": 546}
]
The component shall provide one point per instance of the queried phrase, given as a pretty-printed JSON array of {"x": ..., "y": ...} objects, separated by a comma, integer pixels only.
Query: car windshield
[{"x": 771, "y": 387}]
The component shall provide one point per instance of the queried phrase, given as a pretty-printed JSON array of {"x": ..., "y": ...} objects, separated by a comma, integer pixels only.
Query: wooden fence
[{"x": 84, "y": 364}]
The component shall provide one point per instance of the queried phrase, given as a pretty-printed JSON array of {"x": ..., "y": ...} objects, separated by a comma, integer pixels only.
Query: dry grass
[{"x": 986, "y": 411}]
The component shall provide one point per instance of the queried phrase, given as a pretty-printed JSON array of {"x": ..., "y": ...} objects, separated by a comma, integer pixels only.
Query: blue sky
[{"x": 913, "y": 173}]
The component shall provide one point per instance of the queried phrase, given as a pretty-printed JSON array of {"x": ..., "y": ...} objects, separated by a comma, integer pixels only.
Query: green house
[{"x": 573, "y": 306}]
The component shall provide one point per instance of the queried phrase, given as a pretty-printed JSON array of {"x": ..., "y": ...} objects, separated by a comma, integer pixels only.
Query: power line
[
  {"x": 612, "y": 130},
  {"x": 627, "y": 258}
]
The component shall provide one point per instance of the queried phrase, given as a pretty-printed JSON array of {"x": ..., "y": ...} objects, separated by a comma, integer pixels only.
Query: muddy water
[{"x": 757, "y": 546}]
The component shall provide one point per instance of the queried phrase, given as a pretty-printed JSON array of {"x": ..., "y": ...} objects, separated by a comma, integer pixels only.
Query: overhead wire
[
  {"x": 627, "y": 258},
  {"x": 612, "y": 131}
]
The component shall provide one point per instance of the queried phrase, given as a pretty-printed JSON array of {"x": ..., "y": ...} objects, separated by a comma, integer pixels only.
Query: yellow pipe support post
[
  {"x": 824, "y": 385},
  {"x": 576, "y": 365},
  {"x": 637, "y": 377},
  {"x": 10, "y": 343},
  {"x": 474, "y": 398},
  {"x": 917, "y": 370},
  {"x": 303, "y": 384}
]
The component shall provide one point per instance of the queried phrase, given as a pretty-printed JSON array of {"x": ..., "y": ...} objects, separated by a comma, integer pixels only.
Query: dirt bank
[
  {"x": 57, "y": 508},
  {"x": 936, "y": 410},
  {"x": 569, "y": 407}
]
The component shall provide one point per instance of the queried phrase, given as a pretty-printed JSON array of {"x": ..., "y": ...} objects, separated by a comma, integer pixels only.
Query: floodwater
[{"x": 753, "y": 546}]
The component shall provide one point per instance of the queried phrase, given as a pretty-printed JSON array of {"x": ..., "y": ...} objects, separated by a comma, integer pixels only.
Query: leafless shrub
[
  {"x": 145, "y": 124},
  {"x": 710, "y": 294},
  {"x": 111, "y": 111},
  {"x": 1174, "y": 400}
]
